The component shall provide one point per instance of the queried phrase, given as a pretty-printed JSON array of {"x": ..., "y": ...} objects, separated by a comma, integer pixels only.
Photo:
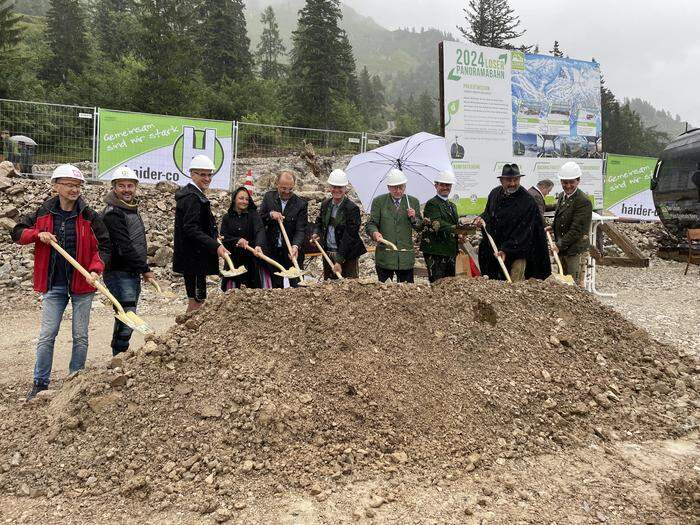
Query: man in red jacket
[{"x": 66, "y": 220}]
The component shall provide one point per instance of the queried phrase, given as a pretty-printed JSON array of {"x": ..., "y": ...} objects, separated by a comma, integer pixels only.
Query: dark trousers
[
  {"x": 402, "y": 276},
  {"x": 439, "y": 266},
  {"x": 349, "y": 269},
  {"x": 196, "y": 287},
  {"x": 281, "y": 255},
  {"x": 126, "y": 288}
]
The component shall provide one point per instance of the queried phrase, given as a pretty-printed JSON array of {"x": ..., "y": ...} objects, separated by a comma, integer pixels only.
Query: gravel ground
[{"x": 659, "y": 299}]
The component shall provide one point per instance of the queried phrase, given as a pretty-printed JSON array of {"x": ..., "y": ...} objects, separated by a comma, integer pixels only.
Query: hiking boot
[{"x": 38, "y": 387}]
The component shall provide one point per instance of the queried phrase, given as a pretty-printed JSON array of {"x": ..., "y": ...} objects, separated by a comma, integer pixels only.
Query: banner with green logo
[
  {"x": 626, "y": 192},
  {"x": 160, "y": 148}
]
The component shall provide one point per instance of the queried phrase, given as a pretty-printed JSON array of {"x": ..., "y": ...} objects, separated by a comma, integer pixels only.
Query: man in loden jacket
[
  {"x": 128, "y": 262},
  {"x": 394, "y": 217},
  {"x": 196, "y": 250},
  {"x": 337, "y": 230},
  {"x": 572, "y": 221},
  {"x": 66, "y": 220},
  {"x": 283, "y": 204}
]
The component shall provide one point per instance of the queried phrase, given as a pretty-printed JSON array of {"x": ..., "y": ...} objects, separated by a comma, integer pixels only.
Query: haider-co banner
[
  {"x": 627, "y": 192},
  {"x": 501, "y": 106},
  {"x": 160, "y": 148}
]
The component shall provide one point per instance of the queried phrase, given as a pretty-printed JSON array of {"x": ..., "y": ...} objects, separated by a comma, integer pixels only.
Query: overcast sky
[{"x": 647, "y": 49}]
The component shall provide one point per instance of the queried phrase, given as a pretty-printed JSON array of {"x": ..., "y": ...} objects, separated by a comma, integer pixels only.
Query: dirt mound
[{"x": 266, "y": 391}]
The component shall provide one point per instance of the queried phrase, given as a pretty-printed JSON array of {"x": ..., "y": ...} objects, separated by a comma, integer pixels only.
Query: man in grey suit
[{"x": 539, "y": 192}]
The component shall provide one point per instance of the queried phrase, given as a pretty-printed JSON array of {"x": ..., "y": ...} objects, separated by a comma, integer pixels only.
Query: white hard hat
[
  {"x": 67, "y": 171},
  {"x": 124, "y": 173},
  {"x": 446, "y": 177},
  {"x": 570, "y": 171},
  {"x": 338, "y": 178},
  {"x": 201, "y": 162},
  {"x": 396, "y": 178}
]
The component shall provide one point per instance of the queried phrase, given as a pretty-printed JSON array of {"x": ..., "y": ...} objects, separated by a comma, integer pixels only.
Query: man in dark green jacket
[
  {"x": 572, "y": 221},
  {"x": 394, "y": 217},
  {"x": 439, "y": 240}
]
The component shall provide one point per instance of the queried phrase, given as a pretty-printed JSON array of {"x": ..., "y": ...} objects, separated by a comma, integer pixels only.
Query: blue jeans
[
  {"x": 54, "y": 304},
  {"x": 126, "y": 288}
]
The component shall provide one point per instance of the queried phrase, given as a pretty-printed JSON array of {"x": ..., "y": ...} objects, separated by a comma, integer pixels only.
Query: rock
[
  {"x": 16, "y": 459},
  {"x": 133, "y": 484},
  {"x": 6, "y": 224},
  {"x": 101, "y": 403},
  {"x": 315, "y": 490},
  {"x": 554, "y": 340},
  {"x": 118, "y": 381},
  {"x": 5, "y": 183},
  {"x": 163, "y": 256},
  {"x": 376, "y": 501},
  {"x": 222, "y": 515},
  {"x": 370, "y": 513},
  {"x": 208, "y": 411},
  {"x": 182, "y": 389},
  {"x": 248, "y": 465},
  {"x": 399, "y": 457},
  {"x": 116, "y": 362},
  {"x": 546, "y": 376},
  {"x": 305, "y": 399},
  {"x": 662, "y": 388},
  {"x": 240, "y": 505}
]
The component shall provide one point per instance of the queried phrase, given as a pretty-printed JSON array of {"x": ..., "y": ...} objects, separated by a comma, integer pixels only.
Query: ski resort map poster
[
  {"x": 627, "y": 187},
  {"x": 160, "y": 148},
  {"x": 500, "y": 106}
]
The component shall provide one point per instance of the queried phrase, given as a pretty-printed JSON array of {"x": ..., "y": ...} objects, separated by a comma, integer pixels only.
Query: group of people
[{"x": 113, "y": 242}]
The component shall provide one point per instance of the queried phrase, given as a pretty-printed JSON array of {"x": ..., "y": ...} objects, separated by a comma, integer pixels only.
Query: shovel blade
[
  {"x": 564, "y": 279},
  {"x": 134, "y": 322},
  {"x": 233, "y": 273}
]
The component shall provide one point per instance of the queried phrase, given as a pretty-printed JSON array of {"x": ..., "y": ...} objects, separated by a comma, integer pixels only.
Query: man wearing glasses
[
  {"x": 196, "y": 248},
  {"x": 66, "y": 220},
  {"x": 514, "y": 221}
]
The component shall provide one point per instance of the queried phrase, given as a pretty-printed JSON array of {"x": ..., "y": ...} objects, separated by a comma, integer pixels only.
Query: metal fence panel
[
  {"x": 376, "y": 140},
  {"x": 62, "y": 133}
]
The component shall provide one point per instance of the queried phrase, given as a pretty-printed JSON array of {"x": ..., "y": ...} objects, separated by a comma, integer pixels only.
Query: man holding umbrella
[
  {"x": 394, "y": 217},
  {"x": 514, "y": 221}
]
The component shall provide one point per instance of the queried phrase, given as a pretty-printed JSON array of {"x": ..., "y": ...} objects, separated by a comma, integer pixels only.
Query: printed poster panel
[
  {"x": 627, "y": 192},
  {"x": 505, "y": 106},
  {"x": 160, "y": 148}
]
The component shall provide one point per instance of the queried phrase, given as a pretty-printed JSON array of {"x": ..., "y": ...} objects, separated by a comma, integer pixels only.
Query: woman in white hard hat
[
  {"x": 196, "y": 248},
  {"x": 67, "y": 220},
  {"x": 337, "y": 230}
]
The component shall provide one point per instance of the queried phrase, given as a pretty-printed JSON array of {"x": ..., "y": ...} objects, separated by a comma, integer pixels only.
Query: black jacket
[
  {"x": 296, "y": 217},
  {"x": 515, "y": 223},
  {"x": 127, "y": 236},
  {"x": 195, "y": 234},
  {"x": 539, "y": 200},
  {"x": 246, "y": 225},
  {"x": 347, "y": 229}
]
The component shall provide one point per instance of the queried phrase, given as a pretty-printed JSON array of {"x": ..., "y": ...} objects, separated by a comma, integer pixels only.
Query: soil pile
[{"x": 267, "y": 391}]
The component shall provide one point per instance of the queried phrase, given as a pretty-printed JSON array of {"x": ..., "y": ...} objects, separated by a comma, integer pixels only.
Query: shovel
[
  {"x": 233, "y": 272},
  {"x": 292, "y": 273},
  {"x": 130, "y": 319},
  {"x": 563, "y": 279},
  {"x": 495, "y": 250},
  {"x": 328, "y": 259},
  {"x": 289, "y": 249},
  {"x": 392, "y": 246},
  {"x": 168, "y": 294}
]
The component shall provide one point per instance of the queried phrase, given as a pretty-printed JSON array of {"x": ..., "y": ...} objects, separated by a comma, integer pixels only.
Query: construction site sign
[
  {"x": 160, "y": 148},
  {"x": 627, "y": 192},
  {"x": 502, "y": 106}
]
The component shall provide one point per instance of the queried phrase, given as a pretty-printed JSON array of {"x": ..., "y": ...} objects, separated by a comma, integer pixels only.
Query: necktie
[{"x": 397, "y": 203}]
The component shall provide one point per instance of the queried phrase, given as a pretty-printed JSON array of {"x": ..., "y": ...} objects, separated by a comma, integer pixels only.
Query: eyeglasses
[{"x": 70, "y": 186}]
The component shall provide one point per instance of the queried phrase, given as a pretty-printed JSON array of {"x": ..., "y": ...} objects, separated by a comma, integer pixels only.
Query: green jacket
[
  {"x": 572, "y": 222},
  {"x": 396, "y": 227},
  {"x": 439, "y": 236}
]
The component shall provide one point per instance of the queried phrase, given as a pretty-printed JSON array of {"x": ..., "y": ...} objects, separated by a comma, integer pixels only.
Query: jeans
[
  {"x": 54, "y": 304},
  {"x": 126, "y": 288}
]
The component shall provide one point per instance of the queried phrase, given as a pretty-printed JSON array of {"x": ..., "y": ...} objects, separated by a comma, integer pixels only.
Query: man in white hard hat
[
  {"x": 394, "y": 217},
  {"x": 128, "y": 263},
  {"x": 282, "y": 204},
  {"x": 337, "y": 230},
  {"x": 572, "y": 221},
  {"x": 196, "y": 247},
  {"x": 68, "y": 221},
  {"x": 513, "y": 219},
  {"x": 439, "y": 237}
]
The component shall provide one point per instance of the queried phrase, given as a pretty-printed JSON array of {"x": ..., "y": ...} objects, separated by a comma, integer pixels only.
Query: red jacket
[{"x": 92, "y": 243}]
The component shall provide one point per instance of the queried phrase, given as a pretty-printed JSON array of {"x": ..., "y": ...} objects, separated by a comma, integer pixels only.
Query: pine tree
[
  {"x": 10, "y": 32},
  {"x": 366, "y": 98},
  {"x": 270, "y": 47},
  {"x": 117, "y": 25},
  {"x": 223, "y": 40},
  {"x": 169, "y": 56},
  {"x": 67, "y": 41},
  {"x": 556, "y": 51},
  {"x": 492, "y": 23},
  {"x": 378, "y": 93},
  {"x": 426, "y": 113},
  {"x": 322, "y": 71}
]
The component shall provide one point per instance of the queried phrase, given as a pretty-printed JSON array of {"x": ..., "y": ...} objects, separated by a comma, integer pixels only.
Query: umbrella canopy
[
  {"x": 23, "y": 139},
  {"x": 421, "y": 157}
]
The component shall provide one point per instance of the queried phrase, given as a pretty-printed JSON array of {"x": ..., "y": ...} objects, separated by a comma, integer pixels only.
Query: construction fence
[{"x": 37, "y": 136}]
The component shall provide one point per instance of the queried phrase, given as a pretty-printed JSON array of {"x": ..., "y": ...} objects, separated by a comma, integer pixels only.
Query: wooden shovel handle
[
  {"x": 227, "y": 258},
  {"x": 389, "y": 244},
  {"x": 495, "y": 249},
  {"x": 556, "y": 255},
  {"x": 328, "y": 259},
  {"x": 289, "y": 245},
  {"x": 103, "y": 289},
  {"x": 155, "y": 285},
  {"x": 266, "y": 259}
]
